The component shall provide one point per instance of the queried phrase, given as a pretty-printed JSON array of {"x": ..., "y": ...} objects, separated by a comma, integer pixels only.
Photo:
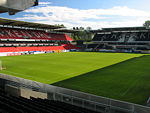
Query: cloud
[
  {"x": 44, "y": 3},
  {"x": 96, "y": 18}
]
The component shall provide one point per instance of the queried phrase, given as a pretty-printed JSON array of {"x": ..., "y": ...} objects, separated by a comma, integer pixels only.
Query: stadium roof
[
  {"x": 9, "y": 22},
  {"x": 125, "y": 28},
  {"x": 119, "y": 29},
  {"x": 66, "y": 30}
]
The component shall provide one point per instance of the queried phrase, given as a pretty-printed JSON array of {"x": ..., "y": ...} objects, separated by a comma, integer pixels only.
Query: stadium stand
[
  {"x": 19, "y": 49},
  {"x": 106, "y": 37},
  {"x": 9, "y": 33},
  {"x": 127, "y": 38},
  {"x": 20, "y": 36},
  {"x": 69, "y": 46},
  {"x": 20, "y": 40},
  {"x": 95, "y": 45},
  {"x": 47, "y": 48},
  {"x": 9, "y": 104},
  {"x": 59, "y": 37}
]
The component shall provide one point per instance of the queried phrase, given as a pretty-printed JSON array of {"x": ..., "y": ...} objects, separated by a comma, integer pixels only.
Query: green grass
[
  {"x": 126, "y": 81},
  {"x": 116, "y": 75}
]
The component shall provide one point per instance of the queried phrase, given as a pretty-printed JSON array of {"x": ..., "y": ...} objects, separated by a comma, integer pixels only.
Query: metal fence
[{"x": 93, "y": 102}]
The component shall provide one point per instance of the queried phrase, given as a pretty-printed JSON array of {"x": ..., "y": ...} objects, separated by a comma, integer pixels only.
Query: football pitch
[{"x": 115, "y": 75}]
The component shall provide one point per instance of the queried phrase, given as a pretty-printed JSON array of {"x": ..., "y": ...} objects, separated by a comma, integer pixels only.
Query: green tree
[
  {"x": 62, "y": 25},
  {"x": 147, "y": 24},
  {"x": 88, "y": 28},
  {"x": 81, "y": 28},
  {"x": 85, "y": 35}
]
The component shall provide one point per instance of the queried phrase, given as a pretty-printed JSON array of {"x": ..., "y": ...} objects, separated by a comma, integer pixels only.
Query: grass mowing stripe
[
  {"x": 56, "y": 67},
  {"x": 127, "y": 81}
]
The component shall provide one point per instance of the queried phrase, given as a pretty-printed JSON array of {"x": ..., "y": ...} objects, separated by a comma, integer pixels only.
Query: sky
[{"x": 87, "y": 13}]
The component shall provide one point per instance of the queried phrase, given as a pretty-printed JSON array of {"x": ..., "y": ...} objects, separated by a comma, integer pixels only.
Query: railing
[{"x": 93, "y": 102}]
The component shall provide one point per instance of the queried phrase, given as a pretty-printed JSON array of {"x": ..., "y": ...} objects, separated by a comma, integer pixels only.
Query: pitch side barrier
[{"x": 85, "y": 100}]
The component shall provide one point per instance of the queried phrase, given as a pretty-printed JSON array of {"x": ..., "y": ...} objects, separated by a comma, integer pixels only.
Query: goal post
[{"x": 1, "y": 65}]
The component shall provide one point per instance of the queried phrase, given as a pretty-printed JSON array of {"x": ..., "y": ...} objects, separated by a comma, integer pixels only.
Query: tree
[
  {"x": 147, "y": 24},
  {"x": 82, "y": 34},
  {"x": 62, "y": 25},
  {"x": 81, "y": 28},
  {"x": 88, "y": 28}
]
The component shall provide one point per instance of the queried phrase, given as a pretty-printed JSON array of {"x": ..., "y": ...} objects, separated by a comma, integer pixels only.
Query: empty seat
[
  {"x": 11, "y": 33},
  {"x": 12, "y": 104}
]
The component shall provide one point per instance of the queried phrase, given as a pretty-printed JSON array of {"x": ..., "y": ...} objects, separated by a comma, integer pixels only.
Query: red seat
[
  {"x": 11, "y": 33},
  {"x": 69, "y": 46},
  {"x": 20, "y": 49}
]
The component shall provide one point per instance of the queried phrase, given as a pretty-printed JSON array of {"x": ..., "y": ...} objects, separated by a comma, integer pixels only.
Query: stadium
[{"x": 44, "y": 70}]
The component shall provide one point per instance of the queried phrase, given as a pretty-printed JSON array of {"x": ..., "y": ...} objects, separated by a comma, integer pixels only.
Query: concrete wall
[
  {"x": 15, "y": 91},
  {"x": 27, "y": 93},
  {"x": 2, "y": 83}
]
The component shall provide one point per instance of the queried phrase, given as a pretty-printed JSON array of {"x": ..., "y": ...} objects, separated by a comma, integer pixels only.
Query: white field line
[
  {"x": 131, "y": 86},
  {"x": 26, "y": 75},
  {"x": 18, "y": 73}
]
